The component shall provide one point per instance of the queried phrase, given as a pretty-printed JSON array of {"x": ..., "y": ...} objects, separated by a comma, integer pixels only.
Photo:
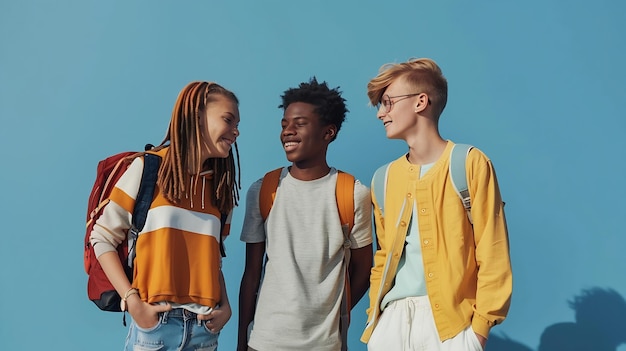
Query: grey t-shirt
[{"x": 299, "y": 300}]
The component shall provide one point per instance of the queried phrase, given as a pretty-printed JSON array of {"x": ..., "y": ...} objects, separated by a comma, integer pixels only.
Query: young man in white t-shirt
[{"x": 297, "y": 306}]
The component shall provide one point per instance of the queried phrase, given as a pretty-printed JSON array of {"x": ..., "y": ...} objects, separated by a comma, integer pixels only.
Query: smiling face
[
  {"x": 405, "y": 103},
  {"x": 218, "y": 127},
  {"x": 304, "y": 138}
]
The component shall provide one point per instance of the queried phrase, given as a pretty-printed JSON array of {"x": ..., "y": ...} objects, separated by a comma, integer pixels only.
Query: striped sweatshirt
[{"x": 177, "y": 252}]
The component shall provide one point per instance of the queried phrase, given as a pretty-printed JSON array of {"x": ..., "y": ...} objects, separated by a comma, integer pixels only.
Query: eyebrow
[
  {"x": 297, "y": 118},
  {"x": 231, "y": 114}
]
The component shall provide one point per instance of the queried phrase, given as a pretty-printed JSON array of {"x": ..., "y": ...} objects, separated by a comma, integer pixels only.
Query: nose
[
  {"x": 236, "y": 131},
  {"x": 381, "y": 112},
  {"x": 287, "y": 129}
]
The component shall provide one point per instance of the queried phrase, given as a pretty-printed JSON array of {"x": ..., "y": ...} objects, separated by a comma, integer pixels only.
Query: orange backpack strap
[
  {"x": 345, "y": 201},
  {"x": 344, "y": 192},
  {"x": 267, "y": 193}
]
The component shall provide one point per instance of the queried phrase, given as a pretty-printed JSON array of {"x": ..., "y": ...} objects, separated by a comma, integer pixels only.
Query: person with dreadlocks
[
  {"x": 299, "y": 302},
  {"x": 177, "y": 298}
]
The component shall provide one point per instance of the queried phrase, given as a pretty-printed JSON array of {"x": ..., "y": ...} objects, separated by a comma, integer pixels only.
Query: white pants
[{"x": 408, "y": 325}]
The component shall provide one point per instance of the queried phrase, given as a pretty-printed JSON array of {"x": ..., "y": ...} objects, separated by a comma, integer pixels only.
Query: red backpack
[{"x": 99, "y": 289}]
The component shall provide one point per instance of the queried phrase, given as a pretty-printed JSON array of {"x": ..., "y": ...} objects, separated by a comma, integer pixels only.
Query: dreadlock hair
[
  {"x": 329, "y": 104},
  {"x": 183, "y": 139},
  {"x": 423, "y": 75}
]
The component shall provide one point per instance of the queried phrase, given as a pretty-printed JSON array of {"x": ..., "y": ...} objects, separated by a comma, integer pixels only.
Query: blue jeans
[{"x": 177, "y": 329}]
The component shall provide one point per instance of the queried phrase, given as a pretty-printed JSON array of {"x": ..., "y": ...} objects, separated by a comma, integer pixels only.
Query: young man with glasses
[
  {"x": 301, "y": 243},
  {"x": 441, "y": 278}
]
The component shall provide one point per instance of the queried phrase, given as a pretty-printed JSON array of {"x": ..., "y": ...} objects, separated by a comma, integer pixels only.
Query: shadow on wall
[
  {"x": 600, "y": 326},
  {"x": 503, "y": 343}
]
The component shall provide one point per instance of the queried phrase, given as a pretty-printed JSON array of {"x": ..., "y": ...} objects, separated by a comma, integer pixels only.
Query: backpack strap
[
  {"x": 379, "y": 186},
  {"x": 223, "y": 220},
  {"x": 267, "y": 193},
  {"x": 458, "y": 175},
  {"x": 147, "y": 186},
  {"x": 151, "y": 163},
  {"x": 344, "y": 194}
]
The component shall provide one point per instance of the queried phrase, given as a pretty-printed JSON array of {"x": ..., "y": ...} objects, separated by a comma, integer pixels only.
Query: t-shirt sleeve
[
  {"x": 362, "y": 231},
  {"x": 253, "y": 229}
]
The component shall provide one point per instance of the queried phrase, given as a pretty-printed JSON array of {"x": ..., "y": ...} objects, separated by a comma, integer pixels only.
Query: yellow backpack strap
[
  {"x": 344, "y": 192},
  {"x": 267, "y": 194}
]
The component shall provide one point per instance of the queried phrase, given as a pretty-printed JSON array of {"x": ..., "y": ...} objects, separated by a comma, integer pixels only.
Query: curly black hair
[{"x": 329, "y": 104}]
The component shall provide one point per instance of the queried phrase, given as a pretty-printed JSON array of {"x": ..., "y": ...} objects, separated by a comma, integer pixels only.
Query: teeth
[{"x": 291, "y": 143}]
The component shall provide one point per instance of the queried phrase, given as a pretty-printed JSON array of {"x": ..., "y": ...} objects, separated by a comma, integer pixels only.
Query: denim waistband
[{"x": 180, "y": 313}]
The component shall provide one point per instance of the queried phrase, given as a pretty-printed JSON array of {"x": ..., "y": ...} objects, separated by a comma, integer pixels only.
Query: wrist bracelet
[{"x": 131, "y": 291}]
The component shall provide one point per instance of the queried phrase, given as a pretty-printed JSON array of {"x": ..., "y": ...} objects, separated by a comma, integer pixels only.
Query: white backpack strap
[
  {"x": 379, "y": 186},
  {"x": 458, "y": 174}
]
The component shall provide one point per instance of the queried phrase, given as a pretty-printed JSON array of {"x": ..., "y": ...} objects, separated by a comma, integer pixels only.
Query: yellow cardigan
[{"x": 468, "y": 272}]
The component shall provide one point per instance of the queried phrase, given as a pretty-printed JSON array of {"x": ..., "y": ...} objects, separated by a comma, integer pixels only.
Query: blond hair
[
  {"x": 422, "y": 74},
  {"x": 183, "y": 138}
]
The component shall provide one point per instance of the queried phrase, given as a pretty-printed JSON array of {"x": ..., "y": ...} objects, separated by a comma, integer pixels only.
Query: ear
[
  {"x": 422, "y": 102},
  {"x": 330, "y": 133}
]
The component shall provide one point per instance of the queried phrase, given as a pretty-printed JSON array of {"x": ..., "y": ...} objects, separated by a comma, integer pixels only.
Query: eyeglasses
[{"x": 388, "y": 103}]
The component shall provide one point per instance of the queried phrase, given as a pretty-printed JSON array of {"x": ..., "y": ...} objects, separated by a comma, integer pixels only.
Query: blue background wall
[{"x": 537, "y": 85}]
